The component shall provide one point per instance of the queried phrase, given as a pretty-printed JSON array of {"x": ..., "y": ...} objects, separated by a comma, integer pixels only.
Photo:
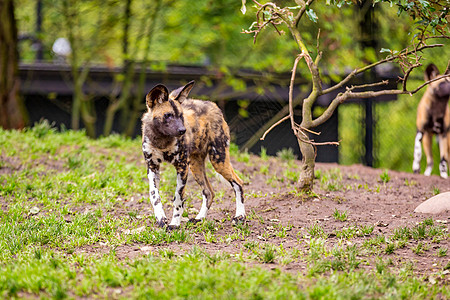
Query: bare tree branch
[
  {"x": 367, "y": 94},
  {"x": 291, "y": 89},
  {"x": 368, "y": 67}
]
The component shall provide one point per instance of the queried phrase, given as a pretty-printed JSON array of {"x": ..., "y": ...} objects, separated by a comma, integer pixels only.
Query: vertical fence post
[
  {"x": 368, "y": 159},
  {"x": 368, "y": 39}
]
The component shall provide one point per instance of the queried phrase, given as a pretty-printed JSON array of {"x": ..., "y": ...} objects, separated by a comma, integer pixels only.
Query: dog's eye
[{"x": 168, "y": 116}]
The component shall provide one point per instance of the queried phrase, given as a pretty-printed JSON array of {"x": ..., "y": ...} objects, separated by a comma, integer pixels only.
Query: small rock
[
  {"x": 34, "y": 210},
  {"x": 146, "y": 249},
  {"x": 381, "y": 224},
  {"x": 435, "y": 205}
]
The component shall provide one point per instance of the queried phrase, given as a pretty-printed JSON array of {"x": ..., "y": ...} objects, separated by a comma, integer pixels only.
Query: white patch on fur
[
  {"x": 240, "y": 209},
  {"x": 146, "y": 148},
  {"x": 203, "y": 210},
  {"x": 443, "y": 169},
  {"x": 177, "y": 203},
  {"x": 157, "y": 207},
  {"x": 417, "y": 152}
]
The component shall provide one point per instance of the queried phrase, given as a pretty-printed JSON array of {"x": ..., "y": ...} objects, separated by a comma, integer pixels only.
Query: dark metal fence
[{"x": 47, "y": 89}]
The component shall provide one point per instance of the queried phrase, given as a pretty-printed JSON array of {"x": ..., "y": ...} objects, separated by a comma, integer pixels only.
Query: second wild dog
[
  {"x": 433, "y": 118},
  {"x": 183, "y": 132}
]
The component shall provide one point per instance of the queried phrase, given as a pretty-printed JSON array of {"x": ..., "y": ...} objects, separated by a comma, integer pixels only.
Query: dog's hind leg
[
  {"x": 443, "y": 150},
  {"x": 197, "y": 165},
  {"x": 220, "y": 159},
  {"x": 427, "y": 145},
  {"x": 417, "y": 152}
]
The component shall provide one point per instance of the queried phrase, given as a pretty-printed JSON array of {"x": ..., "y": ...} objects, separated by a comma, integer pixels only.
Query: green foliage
[{"x": 185, "y": 29}]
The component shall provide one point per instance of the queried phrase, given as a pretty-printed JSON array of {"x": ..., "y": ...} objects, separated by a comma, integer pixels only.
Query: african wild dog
[
  {"x": 433, "y": 117},
  {"x": 184, "y": 131}
]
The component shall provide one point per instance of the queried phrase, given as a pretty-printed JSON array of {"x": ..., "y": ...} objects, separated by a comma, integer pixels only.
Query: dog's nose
[{"x": 182, "y": 131}]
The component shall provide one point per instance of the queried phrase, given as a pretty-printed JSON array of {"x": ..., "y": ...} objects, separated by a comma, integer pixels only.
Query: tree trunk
[
  {"x": 12, "y": 109},
  {"x": 306, "y": 180}
]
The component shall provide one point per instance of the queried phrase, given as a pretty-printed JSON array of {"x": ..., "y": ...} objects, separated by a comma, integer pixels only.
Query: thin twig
[
  {"x": 311, "y": 142},
  {"x": 405, "y": 78},
  {"x": 273, "y": 126},
  {"x": 354, "y": 87},
  {"x": 426, "y": 83},
  {"x": 310, "y": 131}
]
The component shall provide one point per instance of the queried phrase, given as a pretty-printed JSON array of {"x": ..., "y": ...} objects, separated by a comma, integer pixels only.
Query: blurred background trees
[{"x": 133, "y": 35}]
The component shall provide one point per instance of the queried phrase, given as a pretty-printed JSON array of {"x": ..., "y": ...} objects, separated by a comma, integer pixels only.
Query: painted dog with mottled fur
[
  {"x": 433, "y": 118},
  {"x": 183, "y": 132}
]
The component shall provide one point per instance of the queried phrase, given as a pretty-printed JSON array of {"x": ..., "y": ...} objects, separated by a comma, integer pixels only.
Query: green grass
[
  {"x": 76, "y": 222},
  {"x": 330, "y": 180},
  {"x": 385, "y": 177},
  {"x": 341, "y": 216}
]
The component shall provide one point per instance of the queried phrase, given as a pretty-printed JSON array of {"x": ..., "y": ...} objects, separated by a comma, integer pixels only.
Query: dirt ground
[{"x": 272, "y": 205}]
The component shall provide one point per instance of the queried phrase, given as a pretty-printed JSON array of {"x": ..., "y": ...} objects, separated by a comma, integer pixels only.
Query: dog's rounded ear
[
  {"x": 182, "y": 93},
  {"x": 158, "y": 94},
  {"x": 431, "y": 72}
]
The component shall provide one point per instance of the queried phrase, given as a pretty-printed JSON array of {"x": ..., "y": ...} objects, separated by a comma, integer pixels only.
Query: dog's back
[{"x": 206, "y": 125}]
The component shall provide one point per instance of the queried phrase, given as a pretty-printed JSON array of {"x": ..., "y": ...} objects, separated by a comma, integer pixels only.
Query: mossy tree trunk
[{"x": 12, "y": 109}]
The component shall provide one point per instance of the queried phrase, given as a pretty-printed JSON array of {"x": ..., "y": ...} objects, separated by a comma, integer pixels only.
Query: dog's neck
[{"x": 161, "y": 141}]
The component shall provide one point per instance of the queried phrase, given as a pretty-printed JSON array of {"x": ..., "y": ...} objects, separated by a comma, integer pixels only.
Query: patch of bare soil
[{"x": 272, "y": 206}]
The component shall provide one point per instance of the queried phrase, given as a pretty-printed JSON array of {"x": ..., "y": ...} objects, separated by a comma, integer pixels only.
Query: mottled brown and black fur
[
  {"x": 184, "y": 132},
  {"x": 433, "y": 118}
]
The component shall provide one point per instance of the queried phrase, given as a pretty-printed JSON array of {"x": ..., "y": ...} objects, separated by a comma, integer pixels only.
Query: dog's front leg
[
  {"x": 155, "y": 199},
  {"x": 417, "y": 152},
  {"x": 178, "y": 199},
  {"x": 443, "y": 150}
]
